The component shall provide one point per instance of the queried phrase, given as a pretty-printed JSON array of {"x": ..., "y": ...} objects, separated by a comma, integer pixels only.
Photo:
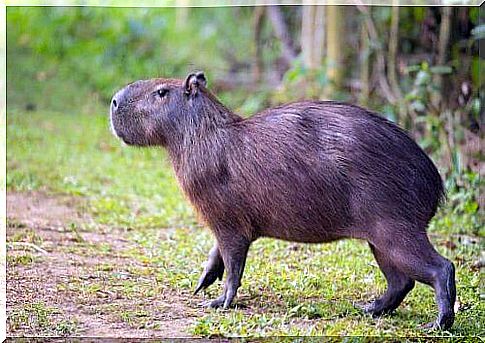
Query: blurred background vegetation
[{"x": 418, "y": 66}]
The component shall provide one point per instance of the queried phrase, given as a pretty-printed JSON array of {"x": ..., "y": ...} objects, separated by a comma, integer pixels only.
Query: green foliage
[
  {"x": 300, "y": 82},
  {"x": 461, "y": 213},
  {"x": 24, "y": 260},
  {"x": 93, "y": 50},
  {"x": 440, "y": 130},
  {"x": 423, "y": 87}
]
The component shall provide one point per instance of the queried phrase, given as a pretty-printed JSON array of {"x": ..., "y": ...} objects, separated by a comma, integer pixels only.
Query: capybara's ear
[
  {"x": 193, "y": 82},
  {"x": 201, "y": 78}
]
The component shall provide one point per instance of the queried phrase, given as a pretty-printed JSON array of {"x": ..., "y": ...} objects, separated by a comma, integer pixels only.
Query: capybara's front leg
[
  {"x": 213, "y": 270},
  {"x": 233, "y": 250}
]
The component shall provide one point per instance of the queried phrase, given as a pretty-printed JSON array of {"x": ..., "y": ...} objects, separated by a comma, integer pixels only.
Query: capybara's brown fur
[{"x": 311, "y": 171}]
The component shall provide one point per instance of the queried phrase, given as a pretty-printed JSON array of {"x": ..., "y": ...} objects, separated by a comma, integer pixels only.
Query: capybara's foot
[
  {"x": 362, "y": 306},
  {"x": 442, "y": 323},
  {"x": 216, "y": 303},
  {"x": 375, "y": 308}
]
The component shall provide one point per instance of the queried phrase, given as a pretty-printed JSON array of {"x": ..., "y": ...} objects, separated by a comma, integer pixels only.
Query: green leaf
[
  {"x": 471, "y": 207},
  {"x": 412, "y": 68},
  {"x": 441, "y": 70},
  {"x": 423, "y": 78}
]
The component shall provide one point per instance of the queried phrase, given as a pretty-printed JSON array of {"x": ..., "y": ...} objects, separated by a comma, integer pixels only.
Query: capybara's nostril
[{"x": 118, "y": 100}]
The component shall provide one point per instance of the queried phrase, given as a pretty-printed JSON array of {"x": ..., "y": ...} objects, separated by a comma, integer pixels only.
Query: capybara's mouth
[
  {"x": 120, "y": 135},
  {"x": 127, "y": 141},
  {"x": 123, "y": 138}
]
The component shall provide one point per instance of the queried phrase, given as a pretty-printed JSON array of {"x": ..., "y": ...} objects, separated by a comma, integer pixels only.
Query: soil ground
[{"x": 50, "y": 272}]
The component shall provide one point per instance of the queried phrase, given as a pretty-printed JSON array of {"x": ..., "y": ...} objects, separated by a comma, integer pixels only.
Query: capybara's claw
[
  {"x": 443, "y": 323},
  {"x": 207, "y": 279},
  {"x": 216, "y": 303},
  {"x": 199, "y": 287},
  {"x": 371, "y": 308},
  {"x": 431, "y": 326}
]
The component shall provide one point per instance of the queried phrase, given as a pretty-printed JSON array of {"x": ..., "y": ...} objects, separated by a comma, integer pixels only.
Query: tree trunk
[
  {"x": 335, "y": 48},
  {"x": 444, "y": 38},
  {"x": 319, "y": 35},
  {"x": 443, "y": 41},
  {"x": 391, "y": 62},
  {"x": 392, "y": 55},
  {"x": 307, "y": 36},
  {"x": 446, "y": 131},
  {"x": 380, "y": 59},
  {"x": 258, "y": 51},
  {"x": 313, "y": 35},
  {"x": 364, "y": 66},
  {"x": 281, "y": 31}
]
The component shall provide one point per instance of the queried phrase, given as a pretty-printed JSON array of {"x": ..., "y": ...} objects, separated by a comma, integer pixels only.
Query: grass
[
  {"x": 23, "y": 259},
  {"x": 26, "y": 235},
  {"x": 40, "y": 318},
  {"x": 76, "y": 155},
  {"x": 288, "y": 289}
]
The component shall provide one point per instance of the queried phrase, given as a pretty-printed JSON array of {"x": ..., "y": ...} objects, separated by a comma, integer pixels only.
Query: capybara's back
[
  {"x": 308, "y": 171},
  {"x": 326, "y": 170}
]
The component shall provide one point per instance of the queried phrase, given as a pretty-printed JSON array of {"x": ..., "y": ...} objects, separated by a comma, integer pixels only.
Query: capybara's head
[{"x": 151, "y": 112}]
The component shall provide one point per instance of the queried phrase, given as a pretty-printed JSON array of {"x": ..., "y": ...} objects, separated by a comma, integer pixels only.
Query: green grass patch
[
  {"x": 77, "y": 155},
  {"x": 297, "y": 289},
  {"x": 38, "y": 317},
  {"x": 23, "y": 260},
  {"x": 24, "y": 234}
]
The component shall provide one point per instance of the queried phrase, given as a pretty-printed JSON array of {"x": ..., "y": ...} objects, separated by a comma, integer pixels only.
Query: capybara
[{"x": 309, "y": 171}]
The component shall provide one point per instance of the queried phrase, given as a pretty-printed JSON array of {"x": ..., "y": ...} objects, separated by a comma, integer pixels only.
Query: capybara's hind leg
[
  {"x": 398, "y": 285},
  {"x": 445, "y": 295},
  {"x": 413, "y": 254}
]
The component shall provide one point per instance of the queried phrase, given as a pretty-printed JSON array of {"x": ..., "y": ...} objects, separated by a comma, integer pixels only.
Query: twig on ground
[{"x": 27, "y": 245}]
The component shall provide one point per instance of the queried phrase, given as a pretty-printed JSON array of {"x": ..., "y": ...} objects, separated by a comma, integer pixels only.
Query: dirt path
[{"x": 68, "y": 288}]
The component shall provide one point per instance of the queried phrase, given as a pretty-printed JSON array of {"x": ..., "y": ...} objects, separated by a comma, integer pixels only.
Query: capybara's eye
[{"x": 162, "y": 92}]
